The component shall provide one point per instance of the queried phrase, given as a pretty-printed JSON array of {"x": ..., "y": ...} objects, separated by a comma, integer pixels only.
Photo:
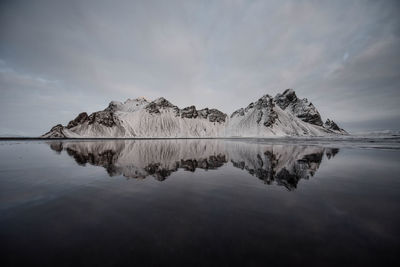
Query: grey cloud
[{"x": 63, "y": 57}]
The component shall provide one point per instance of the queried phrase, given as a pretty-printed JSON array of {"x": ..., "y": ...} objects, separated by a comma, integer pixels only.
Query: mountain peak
[
  {"x": 289, "y": 92},
  {"x": 284, "y": 99},
  {"x": 161, "y": 102},
  {"x": 301, "y": 108}
]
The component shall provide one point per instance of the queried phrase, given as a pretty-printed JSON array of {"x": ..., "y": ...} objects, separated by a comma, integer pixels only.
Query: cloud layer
[{"x": 58, "y": 58}]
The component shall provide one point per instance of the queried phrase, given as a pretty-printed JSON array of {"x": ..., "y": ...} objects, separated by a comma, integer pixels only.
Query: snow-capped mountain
[{"x": 283, "y": 115}]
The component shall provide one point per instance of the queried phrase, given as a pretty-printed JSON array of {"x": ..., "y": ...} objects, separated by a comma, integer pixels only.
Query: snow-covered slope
[{"x": 283, "y": 115}]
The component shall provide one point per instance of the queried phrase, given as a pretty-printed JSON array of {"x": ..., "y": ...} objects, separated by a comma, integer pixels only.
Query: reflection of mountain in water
[{"x": 283, "y": 164}]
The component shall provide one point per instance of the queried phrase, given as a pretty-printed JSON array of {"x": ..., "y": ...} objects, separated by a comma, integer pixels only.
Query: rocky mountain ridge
[{"x": 282, "y": 115}]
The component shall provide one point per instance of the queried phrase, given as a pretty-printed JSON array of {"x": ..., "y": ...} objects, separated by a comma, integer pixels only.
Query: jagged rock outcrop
[
  {"x": 213, "y": 115},
  {"x": 189, "y": 112},
  {"x": 261, "y": 112},
  {"x": 331, "y": 125},
  {"x": 105, "y": 118},
  {"x": 300, "y": 107},
  {"x": 160, "y": 104},
  {"x": 56, "y": 132},
  {"x": 282, "y": 115},
  {"x": 81, "y": 118}
]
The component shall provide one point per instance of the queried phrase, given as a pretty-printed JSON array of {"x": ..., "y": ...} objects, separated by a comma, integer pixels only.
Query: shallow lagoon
[{"x": 200, "y": 202}]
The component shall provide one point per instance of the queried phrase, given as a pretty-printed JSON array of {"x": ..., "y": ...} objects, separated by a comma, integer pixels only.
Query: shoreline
[{"x": 303, "y": 138}]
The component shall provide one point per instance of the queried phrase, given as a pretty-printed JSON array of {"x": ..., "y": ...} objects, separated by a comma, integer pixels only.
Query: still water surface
[{"x": 199, "y": 202}]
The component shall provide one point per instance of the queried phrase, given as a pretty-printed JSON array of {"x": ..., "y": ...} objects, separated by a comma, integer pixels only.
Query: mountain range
[{"x": 282, "y": 115}]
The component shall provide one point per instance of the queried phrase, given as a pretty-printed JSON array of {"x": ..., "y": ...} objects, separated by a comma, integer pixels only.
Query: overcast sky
[{"x": 59, "y": 58}]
